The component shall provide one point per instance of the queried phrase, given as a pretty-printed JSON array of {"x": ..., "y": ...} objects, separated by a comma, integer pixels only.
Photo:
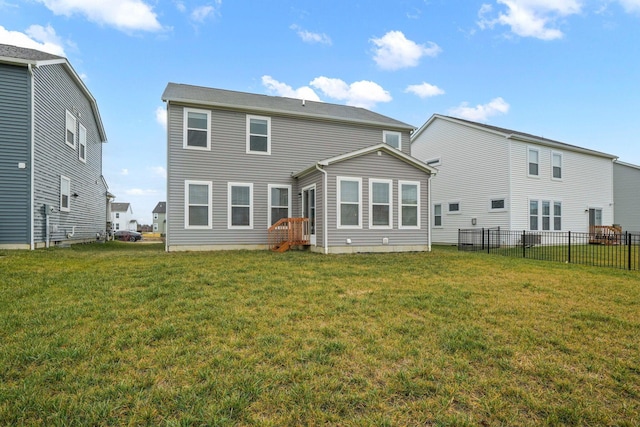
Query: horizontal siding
[
  {"x": 473, "y": 170},
  {"x": 15, "y": 136},
  {"x": 626, "y": 181},
  {"x": 56, "y": 92},
  {"x": 295, "y": 145}
]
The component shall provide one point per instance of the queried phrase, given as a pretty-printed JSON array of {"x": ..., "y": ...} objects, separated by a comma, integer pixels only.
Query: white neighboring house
[
  {"x": 122, "y": 217},
  {"x": 626, "y": 195},
  {"x": 494, "y": 177}
]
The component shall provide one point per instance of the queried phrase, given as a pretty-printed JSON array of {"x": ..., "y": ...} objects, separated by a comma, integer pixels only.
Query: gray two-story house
[
  {"x": 255, "y": 171},
  {"x": 51, "y": 134}
]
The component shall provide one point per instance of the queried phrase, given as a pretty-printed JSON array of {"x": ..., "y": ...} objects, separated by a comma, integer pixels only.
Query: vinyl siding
[
  {"x": 56, "y": 92},
  {"x": 296, "y": 144},
  {"x": 473, "y": 170},
  {"x": 626, "y": 180},
  {"x": 15, "y": 137}
]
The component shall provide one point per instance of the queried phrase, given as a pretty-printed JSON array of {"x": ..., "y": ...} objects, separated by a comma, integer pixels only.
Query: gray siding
[
  {"x": 15, "y": 136},
  {"x": 296, "y": 143},
  {"x": 626, "y": 196},
  {"x": 56, "y": 92}
]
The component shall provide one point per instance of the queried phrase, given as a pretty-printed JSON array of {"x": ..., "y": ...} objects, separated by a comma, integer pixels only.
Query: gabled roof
[
  {"x": 25, "y": 57},
  {"x": 629, "y": 165},
  {"x": 160, "y": 208},
  {"x": 119, "y": 207},
  {"x": 511, "y": 134},
  {"x": 372, "y": 149},
  {"x": 228, "y": 99}
]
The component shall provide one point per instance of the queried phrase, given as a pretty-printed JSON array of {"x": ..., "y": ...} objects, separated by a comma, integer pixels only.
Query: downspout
[
  {"x": 325, "y": 231},
  {"x": 429, "y": 211},
  {"x": 32, "y": 245}
]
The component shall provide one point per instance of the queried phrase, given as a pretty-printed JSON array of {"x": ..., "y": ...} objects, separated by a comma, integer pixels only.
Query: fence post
[
  {"x": 524, "y": 245},
  {"x": 627, "y": 237},
  {"x": 482, "y": 240},
  {"x": 488, "y": 240},
  {"x": 569, "y": 255}
]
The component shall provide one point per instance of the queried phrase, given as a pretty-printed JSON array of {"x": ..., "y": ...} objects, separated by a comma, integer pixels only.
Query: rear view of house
[
  {"x": 160, "y": 218},
  {"x": 51, "y": 135},
  {"x": 244, "y": 169},
  {"x": 122, "y": 217}
]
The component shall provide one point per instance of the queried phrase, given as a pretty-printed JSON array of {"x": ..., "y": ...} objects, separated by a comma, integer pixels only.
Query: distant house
[
  {"x": 626, "y": 193},
  {"x": 122, "y": 217},
  {"x": 494, "y": 177},
  {"x": 255, "y": 171},
  {"x": 51, "y": 134},
  {"x": 160, "y": 218}
]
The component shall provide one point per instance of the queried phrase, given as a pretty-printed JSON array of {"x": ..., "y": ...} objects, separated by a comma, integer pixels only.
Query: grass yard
[{"x": 125, "y": 334}]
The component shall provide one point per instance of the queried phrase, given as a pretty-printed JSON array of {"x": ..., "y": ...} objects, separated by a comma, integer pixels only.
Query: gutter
[{"x": 325, "y": 231}]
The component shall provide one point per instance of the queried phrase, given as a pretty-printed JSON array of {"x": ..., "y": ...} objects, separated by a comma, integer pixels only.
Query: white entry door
[{"x": 309, "y": 210}]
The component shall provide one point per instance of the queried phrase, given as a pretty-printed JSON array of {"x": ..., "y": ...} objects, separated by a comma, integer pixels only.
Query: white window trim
[
  {"x": 389, "y": 182},
  {"x": 269, "y": 187},
  {"x": 68, "y": 207},
  {"x": 554, "y": 216},
  {"x": 391, "y": 132},
  {"x": 441, "y": 215},
  {"x": 537, "y": 150},
  {"x": 268, "y": 119},
  {"x": 185, "y": 130},
  {"x": 450, "y": 212},
  {"x": 557, "y": 153},
  {"x": 492, "y": 199},
  {"x": 540, "y": 215},
  {"x": 155, "y": 216},
  {"x": 186, "y": 206},
  {"x": 400, "y": 206},
  {"x": 436, "y": 161},
  {"x": 543, "y": 216},
  {"x": 70, "y": 119},
  {"x": 229, "y": 206},
  {"x": 82, "y": 143},
  {"x": 339, "y": 179}
]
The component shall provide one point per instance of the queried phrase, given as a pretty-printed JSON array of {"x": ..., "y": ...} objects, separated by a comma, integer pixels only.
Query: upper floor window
[
  {"x": 437, "y": 215},
  {"x": 349, "y": 197},
  {"x": 155, "y": 216},
  {"x": 394, "y": 139},
  {"x": 240, "y": 205},
  {"x": 409, "y": 198},
  {"x": 65, "y": 194},
  {"x": 117, "y": 215},
  {"x": 82, "y": 144},
  {"x": 70, "y": 136},
  {"x": 279, "y": 202},
  {"x": 197, "y": 204},
  {"x": 556, "y": 165},
  {"x": 380, "y": 203},
  {"x": 197, "y": 134},
  {"x": 534, "y": 161},
  {"x": 258, "y": 135}
]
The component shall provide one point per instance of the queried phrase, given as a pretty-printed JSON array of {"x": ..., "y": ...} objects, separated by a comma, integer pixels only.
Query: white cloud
[
  {"x": 630, "y": 6},
  {"x": 480, "y": 113},
  {"x": 283, "y": 89},
  {"x": 309, "y": 37},
  {"x": 140, "y": 192},
  {"x": 180, "y": 6},
  {"x": 36, "y": 37},
  {"x": 161, "y": 116},
  {"x": 159, "y": 171},
  {"x": 365, "y": 94},
  {"x": 199, "y": 14},
  {"x": 124, "y": 172},
  {"x": 125, "y": 15},
  {"x": 531, "y": 18},
  {"x": 424, "y": 90},
  {"x": 394, "y": 51}
]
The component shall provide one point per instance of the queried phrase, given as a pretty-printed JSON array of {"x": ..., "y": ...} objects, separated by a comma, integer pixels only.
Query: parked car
[{"x": 127, "y": 235}]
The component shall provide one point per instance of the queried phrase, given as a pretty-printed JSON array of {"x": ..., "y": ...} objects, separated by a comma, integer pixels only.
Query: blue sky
[{"x": 568, "y": 70}]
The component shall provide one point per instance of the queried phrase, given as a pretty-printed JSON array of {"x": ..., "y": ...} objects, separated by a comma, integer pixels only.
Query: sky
[{"x": 567, "y": 70}]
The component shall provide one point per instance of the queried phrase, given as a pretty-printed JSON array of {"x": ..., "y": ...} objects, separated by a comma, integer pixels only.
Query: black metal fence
[{"x": 619, "y": 250}]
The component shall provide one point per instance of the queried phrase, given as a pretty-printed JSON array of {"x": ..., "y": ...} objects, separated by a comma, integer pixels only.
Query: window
[
  {"x": 437, "y": 215},
  {"x": 82, "y": 144},
  {"x": 155, "y": 216},
  {"x": 546, "y": 215},
  {"x": 70, "y": 137},
  {"x": 556, "y": 165},
  {"x": 557, "y": 216},
  {"x": 197, "y": 204},
  {"x": 533, "y": 215},
  {"x": 65, "y": 194},
  {"x": 380, "y": 203},
  {"x": 497, "y": 205},
  {"x": 409, "y": 198},
  {"x": 394, "y": 139},
  {"x": 434, "y": 162},
  {"x": 117, "y": 226},
  {"x": 258, "y": 135},
  {"x": 279, "y": 202},
  {"x": 349, "y": 196},
  {"x": 196, "y": 130},
  {"x": 533, "y": 156},
  {"x": 240, "y": 205},
  {"x": 454, "y": 207},
  {"x": 155, "y": 226},
  {"x": 117, "y": 215}
]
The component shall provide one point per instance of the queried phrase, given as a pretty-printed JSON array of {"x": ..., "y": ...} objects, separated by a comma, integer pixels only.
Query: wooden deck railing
[
  {"x": 605, "y": 234},
  {"x": 288, "y": 232}
]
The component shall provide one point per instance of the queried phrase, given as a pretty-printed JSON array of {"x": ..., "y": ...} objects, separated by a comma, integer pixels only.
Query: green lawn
[{"x": 126, "y": 334}]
